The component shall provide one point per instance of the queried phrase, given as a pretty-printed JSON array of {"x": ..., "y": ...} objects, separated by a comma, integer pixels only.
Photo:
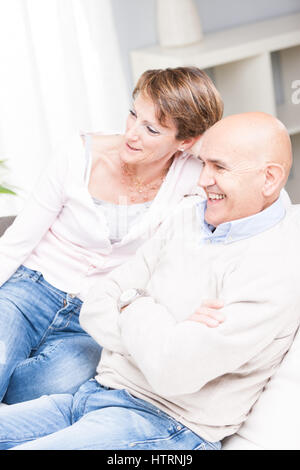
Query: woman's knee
[{"x": 60, "y": 366}]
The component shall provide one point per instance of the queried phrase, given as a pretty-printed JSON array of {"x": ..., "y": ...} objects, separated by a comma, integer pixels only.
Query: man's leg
[
  {"x": 31, "y": 420},
  {"x": 113, "y": 419}
]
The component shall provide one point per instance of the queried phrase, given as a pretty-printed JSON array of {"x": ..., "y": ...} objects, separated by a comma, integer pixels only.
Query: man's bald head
[
  {"x": 260, "y": 137},
  {"x": 247, "y": 158}
]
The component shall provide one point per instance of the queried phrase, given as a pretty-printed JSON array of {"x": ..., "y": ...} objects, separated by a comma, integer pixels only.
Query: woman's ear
[
  {"x": 274, "y": 179},
  {"x": 192, "y": 144}
]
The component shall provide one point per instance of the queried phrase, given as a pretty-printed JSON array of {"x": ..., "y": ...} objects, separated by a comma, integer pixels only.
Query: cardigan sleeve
[{"x": 38, "y": 214}]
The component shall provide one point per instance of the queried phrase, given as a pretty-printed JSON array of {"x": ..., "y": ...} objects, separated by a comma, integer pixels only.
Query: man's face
[{"x": 232, "y": 181}]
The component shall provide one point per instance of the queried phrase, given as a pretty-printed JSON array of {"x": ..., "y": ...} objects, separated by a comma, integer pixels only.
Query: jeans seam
[
  {"x": 208, "y": 445},
  {"x": 78, "y": 410},
  {"x": 21, "y": 441},
  {"x": 155, "y": 410},
  {"x": 158, "y": 439},
  {"x": 42, "y": 283},
  {"x": 149, "y": 407},
  {"x": 59, "y": 292},
  {"x": 201, "y": 446}
]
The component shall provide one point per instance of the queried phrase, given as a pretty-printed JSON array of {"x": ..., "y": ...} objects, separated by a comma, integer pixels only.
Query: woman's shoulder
[
  {"x": 100, "y": 141},
  {"x": 104, "y": 145}
]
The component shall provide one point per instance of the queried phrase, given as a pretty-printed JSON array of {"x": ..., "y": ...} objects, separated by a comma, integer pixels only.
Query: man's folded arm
[
  {"x": 181, "y": 357},
  {"x": 99, "y": 314}
]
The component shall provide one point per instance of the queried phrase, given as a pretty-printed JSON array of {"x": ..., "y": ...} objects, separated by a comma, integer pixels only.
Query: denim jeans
[
  {"x": 43, "y": 349},
  {"x": 94, "y": 418}
]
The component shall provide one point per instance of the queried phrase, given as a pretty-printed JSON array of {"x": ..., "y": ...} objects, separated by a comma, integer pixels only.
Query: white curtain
[{"x": 60, "y": 73}]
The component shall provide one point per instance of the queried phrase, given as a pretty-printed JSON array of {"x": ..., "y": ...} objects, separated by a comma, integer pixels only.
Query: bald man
[
  {"x": 252, "y": 150},
  {"x": 165, "y": 380}
]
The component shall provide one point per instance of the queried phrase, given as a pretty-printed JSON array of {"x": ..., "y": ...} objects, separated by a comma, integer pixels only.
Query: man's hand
[{"x": 209, "y": 313}]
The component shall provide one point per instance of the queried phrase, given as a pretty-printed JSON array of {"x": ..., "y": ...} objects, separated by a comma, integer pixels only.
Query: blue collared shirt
[{"x": 240, "y": 229}]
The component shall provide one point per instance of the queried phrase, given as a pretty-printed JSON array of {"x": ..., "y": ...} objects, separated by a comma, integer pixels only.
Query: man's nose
[{"x": 206, "y": 177}]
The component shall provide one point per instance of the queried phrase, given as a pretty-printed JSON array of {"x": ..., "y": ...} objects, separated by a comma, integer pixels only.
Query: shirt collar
[{"x": 240, "y": 229}]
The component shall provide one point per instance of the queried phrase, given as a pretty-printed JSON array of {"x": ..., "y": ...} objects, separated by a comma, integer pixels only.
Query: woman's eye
[
  {"x": 132, "y": 113},
  {"x": 152, "y": 131}
]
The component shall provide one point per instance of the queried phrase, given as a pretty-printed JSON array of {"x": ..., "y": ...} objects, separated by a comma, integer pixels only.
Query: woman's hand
[{"x": 209, "y": 313}]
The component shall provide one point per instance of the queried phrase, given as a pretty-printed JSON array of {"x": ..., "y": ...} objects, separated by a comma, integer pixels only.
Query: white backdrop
[{"x": 60, "y": 72}]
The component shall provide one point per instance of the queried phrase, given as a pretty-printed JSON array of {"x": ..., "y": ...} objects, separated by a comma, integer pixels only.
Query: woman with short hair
[{"x": 101, "y": 197}]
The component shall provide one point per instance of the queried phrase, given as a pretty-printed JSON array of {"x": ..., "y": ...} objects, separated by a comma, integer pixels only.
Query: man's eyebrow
[{"x": 216, "y": 161}]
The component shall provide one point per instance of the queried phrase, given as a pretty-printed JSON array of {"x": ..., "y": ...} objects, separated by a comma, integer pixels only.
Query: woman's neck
[{"x": 146, "y": 172}]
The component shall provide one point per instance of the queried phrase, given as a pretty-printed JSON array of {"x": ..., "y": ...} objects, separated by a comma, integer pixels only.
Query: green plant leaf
[
  {"x": 3, "y": 189},
  {"x": 6, "y": 191}
]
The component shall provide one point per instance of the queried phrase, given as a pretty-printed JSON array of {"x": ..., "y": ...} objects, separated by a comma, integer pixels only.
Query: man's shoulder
[
  {"x": 293, "y": 215},
  {"x": 183, "y": 221},
  {"x": 289, "y": 229},
  {"x": 276, "y": 249}
]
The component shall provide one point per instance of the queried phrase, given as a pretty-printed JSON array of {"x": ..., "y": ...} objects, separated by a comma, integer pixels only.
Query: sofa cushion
[
  {"x": 5, "y": 222},
  {"x": 274, "y": 420}
]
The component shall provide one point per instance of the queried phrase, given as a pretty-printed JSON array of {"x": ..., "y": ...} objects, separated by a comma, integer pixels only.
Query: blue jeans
[
  {"x": 94, "y": 418},
  {"x": 43, "y": 349}
]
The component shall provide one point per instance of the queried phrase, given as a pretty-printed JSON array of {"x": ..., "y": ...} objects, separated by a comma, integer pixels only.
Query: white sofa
[{"x": 274, "y": 421}]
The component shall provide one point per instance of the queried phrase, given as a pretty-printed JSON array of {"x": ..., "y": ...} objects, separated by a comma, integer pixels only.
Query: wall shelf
[{"x": 239, "y": 60}]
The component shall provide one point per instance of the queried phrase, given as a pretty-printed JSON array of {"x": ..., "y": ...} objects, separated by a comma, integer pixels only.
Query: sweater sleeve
[
  {"x": 99, "y": 315},
  {"x": 181, "y": 357},
  {"x": 38, "y": 214}
]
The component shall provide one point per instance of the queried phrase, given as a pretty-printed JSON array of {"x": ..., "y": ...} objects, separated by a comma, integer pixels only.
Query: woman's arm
[{"x": 38, "y": 214}]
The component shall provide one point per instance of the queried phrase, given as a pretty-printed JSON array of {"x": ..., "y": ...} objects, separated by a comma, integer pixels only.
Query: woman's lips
[{"x": 133, "y": 149}]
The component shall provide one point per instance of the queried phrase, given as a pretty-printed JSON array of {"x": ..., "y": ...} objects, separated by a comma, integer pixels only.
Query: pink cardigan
[{"x": 63, "y": 235}]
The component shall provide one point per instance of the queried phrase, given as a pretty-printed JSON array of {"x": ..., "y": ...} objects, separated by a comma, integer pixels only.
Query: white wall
[{"x": 136, "y": 20}]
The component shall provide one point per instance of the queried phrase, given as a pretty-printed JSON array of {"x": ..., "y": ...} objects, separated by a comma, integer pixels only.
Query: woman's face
[{"x": 145, "y": 139}]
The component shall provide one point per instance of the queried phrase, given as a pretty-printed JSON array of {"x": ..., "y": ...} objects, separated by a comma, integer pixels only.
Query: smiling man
[
  {"x": 164, "y": 380},
  {"x": 246, "y": 161}
]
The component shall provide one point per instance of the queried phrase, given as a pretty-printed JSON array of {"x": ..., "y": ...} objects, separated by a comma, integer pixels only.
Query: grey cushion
[{"x": 5, "y": 222}]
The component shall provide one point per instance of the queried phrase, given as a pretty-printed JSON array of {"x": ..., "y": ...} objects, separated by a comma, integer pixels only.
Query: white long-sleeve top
[
  {"x": 62, "y": 233},
  {"x": 206, "y": 378}
]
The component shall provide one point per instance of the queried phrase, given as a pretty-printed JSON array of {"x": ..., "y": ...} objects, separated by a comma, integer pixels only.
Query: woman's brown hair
[{"x": 184, "y": 95}]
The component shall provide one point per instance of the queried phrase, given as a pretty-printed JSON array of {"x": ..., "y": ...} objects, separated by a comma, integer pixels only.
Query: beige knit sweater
[{"x": 206, "y": 378}]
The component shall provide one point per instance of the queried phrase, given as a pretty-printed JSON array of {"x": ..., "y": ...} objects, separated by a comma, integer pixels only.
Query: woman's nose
[{"x": 132, "y": 131}]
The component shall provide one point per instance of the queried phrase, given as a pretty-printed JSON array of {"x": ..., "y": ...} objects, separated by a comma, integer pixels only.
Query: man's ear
[{"x": 274, "y": 178}]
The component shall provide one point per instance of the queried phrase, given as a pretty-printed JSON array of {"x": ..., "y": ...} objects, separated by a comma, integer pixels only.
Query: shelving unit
[{"x": 253, "y": 67}]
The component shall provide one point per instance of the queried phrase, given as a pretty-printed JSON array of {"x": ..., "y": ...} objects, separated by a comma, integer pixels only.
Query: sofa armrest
[{"x": 5, "y": 222}]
